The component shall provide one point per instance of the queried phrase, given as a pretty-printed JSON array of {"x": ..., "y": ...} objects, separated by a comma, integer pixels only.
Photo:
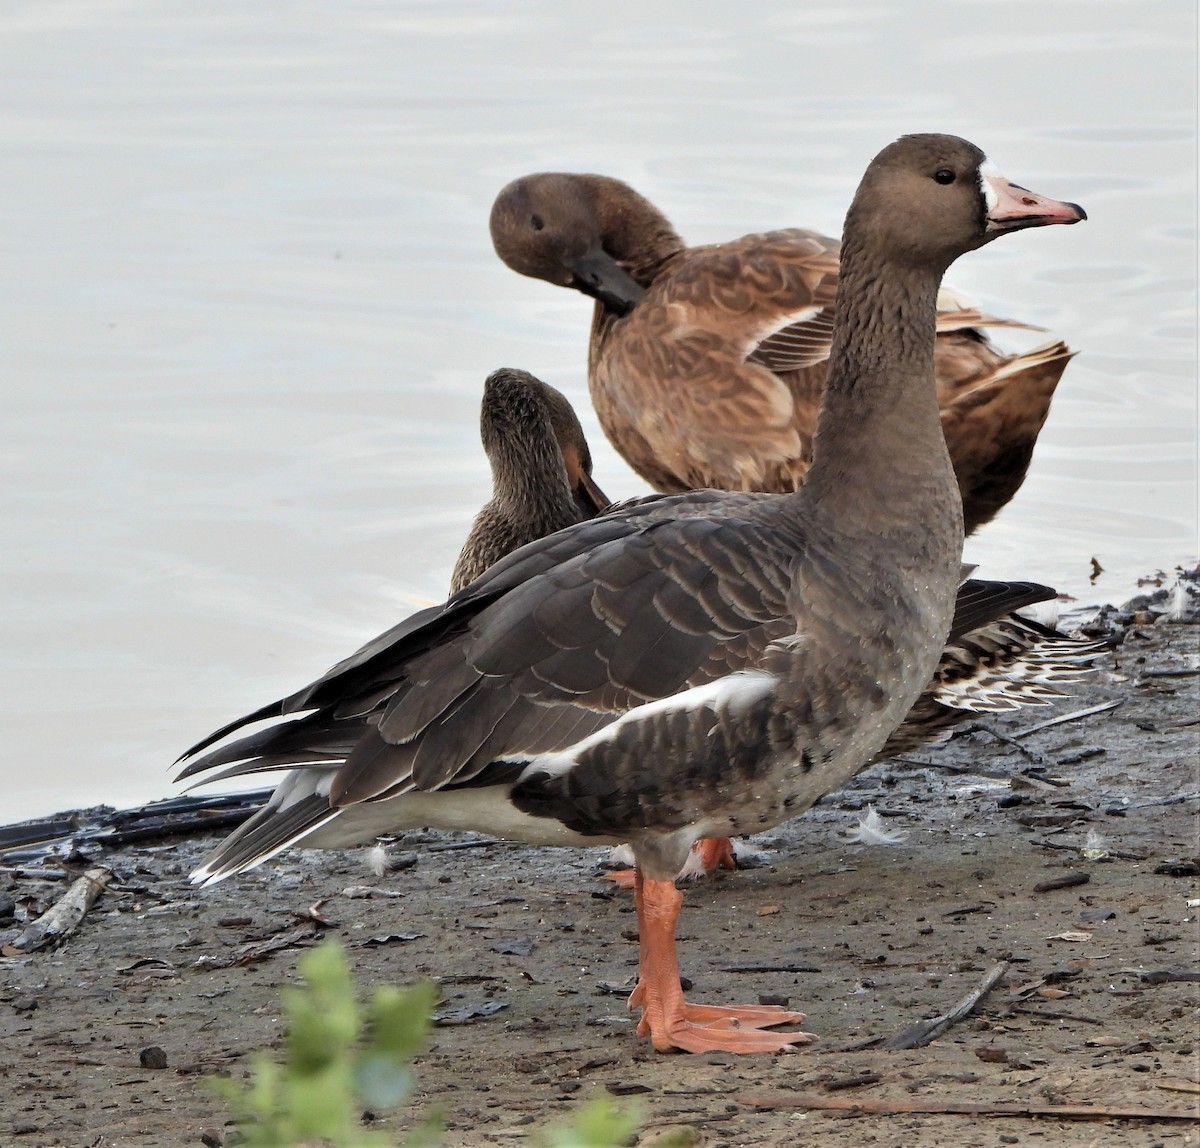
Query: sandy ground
[{"x": 1098, "y": 1005}]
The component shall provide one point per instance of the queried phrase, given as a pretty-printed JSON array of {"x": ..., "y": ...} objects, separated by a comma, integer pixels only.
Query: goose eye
[
  {"x": 944, "y": 175},
  {"x": 538, "y": 222}
]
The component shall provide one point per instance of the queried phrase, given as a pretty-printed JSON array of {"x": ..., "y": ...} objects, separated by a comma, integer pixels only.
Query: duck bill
[
  {"x": 599, "y": 275},
  {"x": 590, "y": 499},
  {"x": 1012, "y": 207}
]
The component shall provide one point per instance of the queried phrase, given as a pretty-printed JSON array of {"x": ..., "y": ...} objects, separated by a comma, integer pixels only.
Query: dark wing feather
[
  {"x": 523, "y": 663},
  {"x": 358, "y": 683},
  {"x": 545, "y": 647},
  {"x": 267, "y": 832},
  {"x": 980, "y": 602}
]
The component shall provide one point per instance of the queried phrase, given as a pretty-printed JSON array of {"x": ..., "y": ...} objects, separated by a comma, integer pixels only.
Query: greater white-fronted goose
[
  {"x": 706, "y": 364},
  {"x": 541, "y": 471},
  {"x": 701, "y": 665},
  {"x": 541, "y": 463}
]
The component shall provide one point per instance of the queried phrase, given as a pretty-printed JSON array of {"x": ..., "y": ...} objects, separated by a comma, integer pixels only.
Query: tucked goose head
[
  {"x": 575, "y": 231},
  {"x": 531, "y": 435},
  {"x": 953, "y": 202}
]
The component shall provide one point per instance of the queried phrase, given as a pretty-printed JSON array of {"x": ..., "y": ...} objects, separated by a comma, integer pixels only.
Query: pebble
[{"x": 152, "y": 1057}]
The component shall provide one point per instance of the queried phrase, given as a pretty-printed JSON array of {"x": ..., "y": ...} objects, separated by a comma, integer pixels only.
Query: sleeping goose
[
  {"x": 706, "y": 364},
  {"x": 705, "y": 664}
]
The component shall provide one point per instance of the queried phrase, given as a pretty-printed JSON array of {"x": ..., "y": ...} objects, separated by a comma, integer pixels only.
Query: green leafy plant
[
  {"x": 600, "y": 1123},
  {"x": 342, "y": 1057}
]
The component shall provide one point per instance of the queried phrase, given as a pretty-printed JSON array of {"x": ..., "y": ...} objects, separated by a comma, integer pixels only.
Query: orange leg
[
  {"x": 712, "y": 853},
  {"x": 715, "y": 853},
  {"x": 666, "y": 1016}
]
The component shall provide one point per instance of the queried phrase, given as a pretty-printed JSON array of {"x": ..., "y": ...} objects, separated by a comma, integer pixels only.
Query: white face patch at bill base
[{"x": 987, "y": 173}]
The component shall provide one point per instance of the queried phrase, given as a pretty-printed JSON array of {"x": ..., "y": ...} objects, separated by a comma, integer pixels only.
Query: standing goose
[
  {"x": 706, "y": 364},
  {"x": 994, "y": 661},
  {"x": 541, "y": 471},
  {"x": 700, "y": 665},
  {"x": 541, "y": 467}
]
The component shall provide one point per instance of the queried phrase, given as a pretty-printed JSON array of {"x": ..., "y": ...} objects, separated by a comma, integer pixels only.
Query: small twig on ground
[
  {"x": 1050, "y": 1014},
  {"x": 1119, "y": 854},
  {"x": 1164, "y": 976},
  {"x": 63, "y": 917},
  {"x": 769, "y": 969},
  {"x": 1075, "y": 716},
  {"x": 1174, "y": 799},
  {"x": 259, "y": 950},
  {"x": 926, "y": 1031},
  {"x": 951, "y": 767},
  {"x": 858, "y": 1081},
  {"x": 961, "y": 1107},
  {"x": 1066, "y": 881},
  {"x": 1006, "y": 739}
]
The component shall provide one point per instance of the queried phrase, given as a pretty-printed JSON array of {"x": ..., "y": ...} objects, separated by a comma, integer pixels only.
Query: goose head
[
  {"x": 550, "y": 226},
  {"x": 926, "y": 199},
  {"x": 531, "y": 434}
]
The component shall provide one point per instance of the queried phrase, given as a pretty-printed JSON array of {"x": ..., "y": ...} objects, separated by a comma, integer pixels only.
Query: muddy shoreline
[{"x": 1099, "y": 1003}]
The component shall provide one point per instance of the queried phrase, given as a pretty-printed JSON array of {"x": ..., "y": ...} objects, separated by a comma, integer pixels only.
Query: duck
[
  {"x": 704, "y": 664},
  {"x": 706, "y": 364},
  {"x": 541, "y": 471}
]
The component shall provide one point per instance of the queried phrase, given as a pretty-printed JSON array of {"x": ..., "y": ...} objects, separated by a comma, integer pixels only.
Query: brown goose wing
[
  {"x": 992, "y": 426},
  {"x": 682, "y": 389}
]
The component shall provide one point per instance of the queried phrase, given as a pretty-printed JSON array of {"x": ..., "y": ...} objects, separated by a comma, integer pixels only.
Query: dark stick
[{"x": 926, "y": 1031}]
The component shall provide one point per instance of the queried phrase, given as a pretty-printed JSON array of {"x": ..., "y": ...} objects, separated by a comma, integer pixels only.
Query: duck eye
[
  {"x": 538, "y": 222},
  {"x": 944, "y": 175}
]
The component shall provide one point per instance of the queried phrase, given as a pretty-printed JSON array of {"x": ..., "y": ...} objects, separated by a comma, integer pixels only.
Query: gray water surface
[{"x": 247, "y": 301}]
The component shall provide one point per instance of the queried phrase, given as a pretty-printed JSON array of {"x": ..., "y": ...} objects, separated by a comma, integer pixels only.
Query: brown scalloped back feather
[{"x": 714, "y": 378}]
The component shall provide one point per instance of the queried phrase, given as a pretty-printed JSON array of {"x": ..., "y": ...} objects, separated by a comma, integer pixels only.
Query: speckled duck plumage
[{"x": 707, "y": 364}]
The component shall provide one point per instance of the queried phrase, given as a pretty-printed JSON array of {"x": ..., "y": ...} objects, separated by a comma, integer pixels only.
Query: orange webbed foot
[
  {"x": 668, "y": 1019},
  {"x": 711, "y": 854},
  {"x": 622, "y": 878},
  {"x": 713, "y": 1028},
  {"x": 729, "y": 1037}
]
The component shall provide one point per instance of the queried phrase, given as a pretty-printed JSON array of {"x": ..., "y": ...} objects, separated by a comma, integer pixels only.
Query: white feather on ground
[
  {"x": 870, "y": 831},
  {"x": 377, "y": 860}
]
